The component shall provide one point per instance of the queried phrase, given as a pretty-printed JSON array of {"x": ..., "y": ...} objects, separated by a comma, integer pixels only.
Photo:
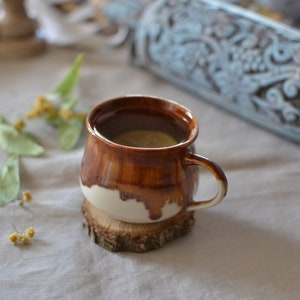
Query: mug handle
[{"x": 194, "y": 159}]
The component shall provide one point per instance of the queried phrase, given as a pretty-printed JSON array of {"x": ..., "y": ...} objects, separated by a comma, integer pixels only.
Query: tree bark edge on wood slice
[{"x": 117, "y": 236}]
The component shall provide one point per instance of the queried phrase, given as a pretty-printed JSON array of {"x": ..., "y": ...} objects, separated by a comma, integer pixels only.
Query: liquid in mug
[
  {"x": 138, "y": 129},
  {"x": 145, "y": 139}
]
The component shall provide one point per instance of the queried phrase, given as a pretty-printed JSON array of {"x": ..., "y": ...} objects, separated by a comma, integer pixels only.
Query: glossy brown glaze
[
  {"x": 152, "y": 176},
  {"x": 156, "y": 177}
]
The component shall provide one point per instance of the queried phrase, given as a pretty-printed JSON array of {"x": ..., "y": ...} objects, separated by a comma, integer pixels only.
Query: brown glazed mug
[{"x": 139, "y": 164}]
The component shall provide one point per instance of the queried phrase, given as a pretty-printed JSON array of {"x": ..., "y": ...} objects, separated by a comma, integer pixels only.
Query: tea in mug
[
  {"x": 139, "y": 129},
  {"x": 145, "y": 139}
]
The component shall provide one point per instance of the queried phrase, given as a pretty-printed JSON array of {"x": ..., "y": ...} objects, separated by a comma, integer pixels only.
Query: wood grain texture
[{"x": 117, "y": 236}]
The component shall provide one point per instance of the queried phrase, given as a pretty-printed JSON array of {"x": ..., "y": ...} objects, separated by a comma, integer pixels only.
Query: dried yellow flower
[
  {"x": 13, "y": 238},
  {"x": 47, "y": 107},
  {"x": 80, "y": 115},
  {"x": 51, "y": 111},
  {"x": 31, "y": 114},
  {"x": 40, "y": 100},
  {"x": 19, "y": 125},
  {"x": 42, "y": 106},
  {"x": 66, "y": 113},
  {"x": 27, "y": 196},
  {"x": 30, "y": 231},
  {"x": 23, "y": 239}
]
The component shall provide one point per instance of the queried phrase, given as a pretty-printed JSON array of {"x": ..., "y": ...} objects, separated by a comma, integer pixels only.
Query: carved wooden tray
[{"x": 232, "y": 57}]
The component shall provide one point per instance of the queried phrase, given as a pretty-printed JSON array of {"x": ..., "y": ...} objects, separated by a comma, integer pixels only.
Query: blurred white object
[
  {"x": 82, "y": 13},
  {"x": 66, "y": 30},
  {"x": 58, "y": 31}
]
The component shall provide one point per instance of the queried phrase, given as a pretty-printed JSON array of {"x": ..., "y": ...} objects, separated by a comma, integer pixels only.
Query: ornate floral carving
[{"x": 226, "y": 55}]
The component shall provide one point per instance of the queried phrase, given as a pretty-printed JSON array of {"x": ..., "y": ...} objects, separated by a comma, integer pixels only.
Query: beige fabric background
[{"x": 247, "y": 247}]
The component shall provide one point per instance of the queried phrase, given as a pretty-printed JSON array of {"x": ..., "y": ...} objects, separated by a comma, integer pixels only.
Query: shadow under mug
[{"x": 139, "y": 184}]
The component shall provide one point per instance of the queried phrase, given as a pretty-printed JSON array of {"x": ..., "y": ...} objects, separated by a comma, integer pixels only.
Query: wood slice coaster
[
  {"x": 116, "y": 236},
  {"x": 22, "y": 47}
]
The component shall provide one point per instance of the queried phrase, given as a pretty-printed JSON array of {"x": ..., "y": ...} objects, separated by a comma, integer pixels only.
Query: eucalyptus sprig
[{"x": 57, "y": 109}]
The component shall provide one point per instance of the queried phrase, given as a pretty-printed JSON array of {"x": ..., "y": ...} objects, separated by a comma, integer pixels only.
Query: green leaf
[
  {"x": 69, "y": 133},
  {"x": 66, "y": 87},
  {"x": 9, "y": 180},
  {"x": 3, "y": 120},
  {"x": 18, "y": 142},
  {"x": 53, "y": 121},
  {"x": 69, "y": 103}
]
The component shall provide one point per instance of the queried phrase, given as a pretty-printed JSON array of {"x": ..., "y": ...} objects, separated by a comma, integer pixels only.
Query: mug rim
[{"x": 192, "y": 132}]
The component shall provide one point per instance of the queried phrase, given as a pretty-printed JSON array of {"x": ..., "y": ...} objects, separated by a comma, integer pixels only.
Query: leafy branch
[{"x": 58, "y": 110}]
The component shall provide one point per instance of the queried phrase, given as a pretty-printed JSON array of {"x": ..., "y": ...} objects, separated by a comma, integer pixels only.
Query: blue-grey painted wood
[{"x": 227, "y": 55}]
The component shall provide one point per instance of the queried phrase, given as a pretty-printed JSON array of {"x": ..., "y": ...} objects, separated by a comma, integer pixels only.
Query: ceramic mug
[{"x": 154, "y": 174}]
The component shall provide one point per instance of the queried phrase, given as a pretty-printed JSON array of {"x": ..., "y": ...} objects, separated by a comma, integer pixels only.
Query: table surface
[{"x": 247, "y": 247}]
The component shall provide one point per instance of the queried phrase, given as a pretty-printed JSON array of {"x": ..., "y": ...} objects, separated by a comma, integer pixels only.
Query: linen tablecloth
[{"x": 247, "y": 247}]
